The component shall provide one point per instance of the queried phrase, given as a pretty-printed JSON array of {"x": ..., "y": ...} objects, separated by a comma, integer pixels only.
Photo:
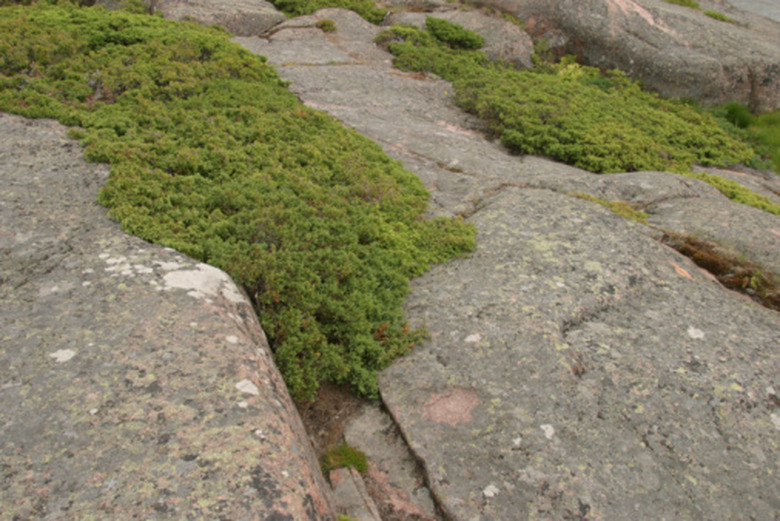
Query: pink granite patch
[{"x": 452, "y": 407}]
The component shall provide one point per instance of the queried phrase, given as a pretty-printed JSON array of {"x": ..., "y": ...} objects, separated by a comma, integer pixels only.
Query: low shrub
[
  {"x": 572, "y": 113},
  {"x": 326, "y": 25},
  {"x": 455, "y": 36},
  {"x": 213, "y": 156},
  {"x": 365, "y": 8}
]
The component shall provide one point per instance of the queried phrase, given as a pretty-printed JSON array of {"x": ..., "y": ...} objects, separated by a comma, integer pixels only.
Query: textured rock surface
[
  {"x": 676, "y": 50},
  {"x": 241, "y": 17},
  {"x": 577, "y": 368},
  {"x": 134, "y": 382}
]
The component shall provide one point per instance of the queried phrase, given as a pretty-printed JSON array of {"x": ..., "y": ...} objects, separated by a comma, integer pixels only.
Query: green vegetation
[
  {"x": 343, "y": 456},
  {"x": 213, "y": 156},
  {"x": 763, "y": 131},
  {"x": 737, "y": 192},
  {"x": 621, "y": 208},
  {"x": 685, "y": 3},
  {"x": 718, "y": 16},
  {"x": 327, "y": 25},
  {"x": 365, "y": 8},
  {"x": 572, "y": 113}
]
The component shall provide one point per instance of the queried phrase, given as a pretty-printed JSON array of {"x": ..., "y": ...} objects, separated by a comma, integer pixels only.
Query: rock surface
[
  {"x": 577, "y": 368},
  {"x": 241, "y": 17},
  {"x": 134, "y": 381},
  {"x": 675, "y": 50}
]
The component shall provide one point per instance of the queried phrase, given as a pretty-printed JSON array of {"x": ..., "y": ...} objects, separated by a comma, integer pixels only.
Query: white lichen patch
[
  {"x": 473, "y": 338},
  {"x": 246, "y": 386},
  {"x": 696, "y": 334},
  {"x": 232, "y": 339},
  {"x": 491, "y": 491},
  {"x": 63, "y": 355},
  {"x": 204, "y": 281},
  {"x": 549, "y": 430}
]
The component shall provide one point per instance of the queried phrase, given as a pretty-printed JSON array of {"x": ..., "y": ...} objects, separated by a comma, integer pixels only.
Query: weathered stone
[
  {"x": 135, "y": 382},
  {"x": 675, "y": 50},
  {"x": 241, "y": 17},
  {"x": 576, "y": 366},
  {"x": 504, "y": 40}
]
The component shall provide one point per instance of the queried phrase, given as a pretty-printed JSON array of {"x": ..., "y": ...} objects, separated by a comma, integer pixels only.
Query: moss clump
[
  {"x": 455, "y": 36},
  {"x": 327, "y": 25},
  {"x": 719, "y": 16},
  {"x": 572, "y": 113},
  {"x": 343, "y": 456},
  {"x": 737, "y": 192},
  {"x": 213, "y": 156},
  {"x": 365, "y": 8},
  {"x": 621, "y": 208},
  {"x": 685, "y": 3}
]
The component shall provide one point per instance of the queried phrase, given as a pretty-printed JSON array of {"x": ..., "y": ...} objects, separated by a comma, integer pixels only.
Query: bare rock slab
[
  {"x": 241, "y": 17},
  {"x": 134, "y": 381},
  {"x": 577, "y": 368}
]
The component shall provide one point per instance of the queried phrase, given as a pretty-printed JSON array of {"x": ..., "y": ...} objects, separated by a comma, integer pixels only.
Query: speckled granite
[
  {"x": 577, "y": 368},
  {"x": 135, "y": 383}
]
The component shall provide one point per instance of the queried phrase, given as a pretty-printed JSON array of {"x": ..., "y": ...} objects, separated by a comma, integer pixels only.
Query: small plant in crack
[{"x": 342, "y": 455}]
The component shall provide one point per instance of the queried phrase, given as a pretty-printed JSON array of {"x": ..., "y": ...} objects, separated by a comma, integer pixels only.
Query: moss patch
[
  {"x": 212, "y": 156},
  {"x": 572, "y": 113},
  {"x": 343, "y": 456},
  {"x": 621, "y": 208}
]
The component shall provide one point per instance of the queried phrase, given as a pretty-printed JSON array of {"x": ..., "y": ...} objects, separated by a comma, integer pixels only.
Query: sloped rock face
[
  {"x": 135, "y": 382},
  {"x": 241, "y": 17},
  {"x": 576, "y": 367},
  {"x": 677, "y": 51}
]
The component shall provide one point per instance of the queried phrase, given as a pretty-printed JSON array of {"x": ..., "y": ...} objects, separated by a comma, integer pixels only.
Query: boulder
[
  {"x": 134, "y": 381},
  {"x": 504, "y": 40},
  {"x": 675, "y": 50},
  {"x": 241, "y": 17}
]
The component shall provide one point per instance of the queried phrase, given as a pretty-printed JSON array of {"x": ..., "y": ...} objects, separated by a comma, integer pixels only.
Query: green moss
[
  {"x": 685, "y": 3},
  {"x": 365, "y": 8},
  {"x": 327, "y": 25},
  {"x": 213, "y": 156},
  {"x": 572, "y": 113},
  {"x": 453, "y": 35},
  {"x": 718, "y": 16},
  {"x": 621, "y": 208},
  {"x": 343, "y": 456},
  {"x": 737, "y": 192}
]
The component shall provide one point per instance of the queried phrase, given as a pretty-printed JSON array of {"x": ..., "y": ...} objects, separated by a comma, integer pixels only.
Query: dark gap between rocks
[
  {"x": 733, "y": 273},
  {"x": 325, "y": 420}
]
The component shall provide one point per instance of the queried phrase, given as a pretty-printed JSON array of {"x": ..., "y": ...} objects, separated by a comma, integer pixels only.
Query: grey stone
[
  {"x": 134, "y": 381},
  {"x": 675, "y": 50},
  {"x": 351, "y": 496},
  {"x": 241, "y": 17},
  {"x": 576, "y": 366}
]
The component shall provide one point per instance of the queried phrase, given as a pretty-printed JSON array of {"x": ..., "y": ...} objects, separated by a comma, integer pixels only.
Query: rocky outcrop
[
  {"x": 576, "y": 367},
  {"x": 677, "y": 51},
  {"x": 241, "y": 17},
  {"x": 135, "y": 383}
]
